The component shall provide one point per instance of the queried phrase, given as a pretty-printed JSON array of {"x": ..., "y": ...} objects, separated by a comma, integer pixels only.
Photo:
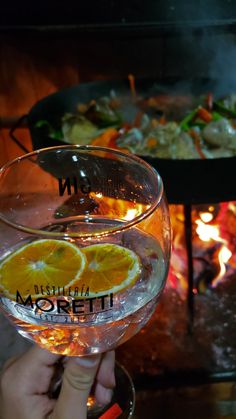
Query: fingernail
[
  {"x": 88, "y": 361},
  {"x": 105, "y": 395}
]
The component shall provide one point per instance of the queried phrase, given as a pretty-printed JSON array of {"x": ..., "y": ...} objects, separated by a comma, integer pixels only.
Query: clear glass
[{"x": 85, "y": 247}]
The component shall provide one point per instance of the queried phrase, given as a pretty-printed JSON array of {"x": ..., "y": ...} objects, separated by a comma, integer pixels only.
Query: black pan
[{"x": 185, "y": 181}]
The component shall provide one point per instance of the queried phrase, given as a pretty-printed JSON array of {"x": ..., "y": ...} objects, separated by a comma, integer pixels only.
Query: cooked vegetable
[
  {"x": 131, "y": 79},
  {"x": 186, "y": 122},
  {"x": 101, "y": 113},
  {"x": 78, "y": 130},
  {"x": 220, "y": 133},
  {"x": 209, "y": 101},
  {"x": 204, "y": 114},
  {"x": 53, "y": 133},
  {"x": 107, "y": 138},
  {"x": 146, "y": 127},
  {"x": 221, "y": 107},
  {"x": 197, "y": 142}
]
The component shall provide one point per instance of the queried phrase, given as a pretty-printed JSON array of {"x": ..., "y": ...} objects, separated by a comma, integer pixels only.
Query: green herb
[
  {"x": 52, "y": 133},
  {"x": 221, "y": 109},
  {"x": 186, "y": 122}
]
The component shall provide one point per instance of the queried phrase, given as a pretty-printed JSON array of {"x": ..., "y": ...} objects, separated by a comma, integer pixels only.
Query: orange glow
[
  {"x": 123, "y": 210},
  {"x": 91, "y": 400}
]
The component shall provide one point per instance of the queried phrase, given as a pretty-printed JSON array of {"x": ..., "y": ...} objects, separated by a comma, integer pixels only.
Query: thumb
[{"x": 77, "y": 381}]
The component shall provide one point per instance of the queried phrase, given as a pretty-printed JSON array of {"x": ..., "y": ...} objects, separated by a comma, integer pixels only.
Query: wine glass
[{"x": 85, "y": 247}]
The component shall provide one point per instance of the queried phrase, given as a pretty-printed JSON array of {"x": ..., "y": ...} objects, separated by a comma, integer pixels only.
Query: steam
[
  {"x": 222, "y": 68},
  {"x": 211, "y": 44}
]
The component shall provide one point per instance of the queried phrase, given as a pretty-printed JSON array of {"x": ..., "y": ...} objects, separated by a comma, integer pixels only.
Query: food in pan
[{"x": 163, "y": 126}]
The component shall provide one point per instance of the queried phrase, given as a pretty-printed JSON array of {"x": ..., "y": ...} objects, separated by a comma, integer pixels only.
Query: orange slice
[
  {"x": 110, "y": 268},
  {"x": 41, "y": 263}
]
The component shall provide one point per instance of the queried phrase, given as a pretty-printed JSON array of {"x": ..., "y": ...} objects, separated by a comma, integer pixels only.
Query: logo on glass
[{"x": 74, "y": 185}]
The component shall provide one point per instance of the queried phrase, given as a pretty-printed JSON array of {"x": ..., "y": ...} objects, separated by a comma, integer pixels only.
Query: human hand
[{"x": 25, "y": 382}]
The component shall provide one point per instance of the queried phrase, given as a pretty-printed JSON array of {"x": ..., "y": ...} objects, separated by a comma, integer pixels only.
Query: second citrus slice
[{"x": 110, "y": 268}]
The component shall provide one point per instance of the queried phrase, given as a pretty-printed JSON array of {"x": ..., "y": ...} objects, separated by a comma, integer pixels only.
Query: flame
[
  {"x": 122, "y": 209},
  {"x": 98, "y": 194},
  {"x": 206, "y": 216},
  {"x": 208, "y": 233},
  {"x": 224, "y": 256},
  {"x": 130, "y": 214}
]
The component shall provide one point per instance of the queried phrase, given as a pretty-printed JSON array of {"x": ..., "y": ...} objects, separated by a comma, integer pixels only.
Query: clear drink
[
  {"x": 85, "y": 247},
  {"x": 69, "y": 321}
]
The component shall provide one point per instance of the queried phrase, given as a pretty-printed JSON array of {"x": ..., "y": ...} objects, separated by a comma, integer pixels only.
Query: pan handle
[{"x": 18, "y": 123}]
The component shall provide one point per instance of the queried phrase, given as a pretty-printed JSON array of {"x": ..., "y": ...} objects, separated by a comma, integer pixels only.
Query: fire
[
  {"x": 130, "y": 214},
  {"x": 213, "y": 231},
  {"x": 206, "y": 216},
  {"x": 224, "y": 256},
  {"x": 122, "y": 209},
  {"x": 207, "y": 232},
  {"x": 213, "y": 243}
]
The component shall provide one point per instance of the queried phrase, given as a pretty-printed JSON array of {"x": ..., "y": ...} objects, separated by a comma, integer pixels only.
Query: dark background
[
  {"x": 124, "y": 12},
  {"x": 46, "y": 46}
]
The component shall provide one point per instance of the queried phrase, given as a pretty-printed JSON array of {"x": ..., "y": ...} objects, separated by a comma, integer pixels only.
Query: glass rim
[{"x": 127, "y": 224}]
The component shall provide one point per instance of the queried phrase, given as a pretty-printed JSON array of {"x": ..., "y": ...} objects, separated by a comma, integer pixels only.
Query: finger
[
  {"x": 103, "y": 395},
  {"x": 77, "y": 381},
  {"x": 34, "y": 370},
  {"x": 23, "y": 379},
  {"x": 10, "y": 362},
  {"x": 105, "y": 379},
  {"x": 106, "y": 373},
  {"x": 38, "y": 356}
]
